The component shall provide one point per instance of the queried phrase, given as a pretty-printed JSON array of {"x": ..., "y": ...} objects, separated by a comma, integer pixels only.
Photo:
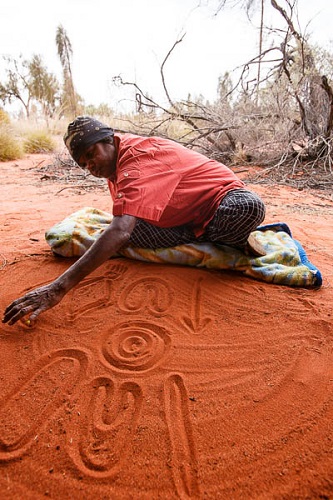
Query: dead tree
[{"x": 278, "y": 111}]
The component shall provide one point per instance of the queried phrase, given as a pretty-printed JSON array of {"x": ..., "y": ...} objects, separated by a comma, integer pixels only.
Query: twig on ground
[{"x": 4, "y": 262}]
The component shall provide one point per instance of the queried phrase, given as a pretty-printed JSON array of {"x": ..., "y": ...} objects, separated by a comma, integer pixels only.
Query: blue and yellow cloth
[{"x": 285, "y": 262}]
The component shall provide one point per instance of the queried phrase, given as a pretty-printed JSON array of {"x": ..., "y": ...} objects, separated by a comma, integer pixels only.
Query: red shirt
[{"x": 167, "y": 184}]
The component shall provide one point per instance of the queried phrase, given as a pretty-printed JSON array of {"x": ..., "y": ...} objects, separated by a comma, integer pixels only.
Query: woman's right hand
[{"x": 33, "y": 303}]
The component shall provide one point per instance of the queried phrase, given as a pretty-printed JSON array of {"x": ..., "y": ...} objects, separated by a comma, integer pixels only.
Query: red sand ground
[{"x": 152, "y": 381}]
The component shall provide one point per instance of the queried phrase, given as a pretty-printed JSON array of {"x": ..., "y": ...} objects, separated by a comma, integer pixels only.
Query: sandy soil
[{"x": 160, "y": 382}]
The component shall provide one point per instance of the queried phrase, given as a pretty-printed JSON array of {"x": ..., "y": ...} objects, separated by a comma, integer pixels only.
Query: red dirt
[{"x": 152, "y": 381}]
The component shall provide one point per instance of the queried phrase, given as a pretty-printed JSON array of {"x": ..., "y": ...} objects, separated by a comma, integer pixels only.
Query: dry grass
[
  {"x": 39, "y": 142},
  {"x": 10, "y": 145}
]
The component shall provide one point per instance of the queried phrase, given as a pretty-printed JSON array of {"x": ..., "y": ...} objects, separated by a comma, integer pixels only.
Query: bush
[
  {"x": 10, "y": 148},
  {"x": 4, "y": 117},
  {"x": 39, "y": 142}
]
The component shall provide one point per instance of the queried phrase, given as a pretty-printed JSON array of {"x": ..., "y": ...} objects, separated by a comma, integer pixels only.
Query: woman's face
[{"x": 100, "y": 159}]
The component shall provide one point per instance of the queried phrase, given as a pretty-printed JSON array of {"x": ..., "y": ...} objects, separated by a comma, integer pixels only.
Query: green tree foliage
[
  {"x": 44, "y": 86},
  {"x": 30, "y": 83},
  {"x": 102, "y": 110},
  {"x": 65, "y": 53},
  {"x": 17, "y": 85}
]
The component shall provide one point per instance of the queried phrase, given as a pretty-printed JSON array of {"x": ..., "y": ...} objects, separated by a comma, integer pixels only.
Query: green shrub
[
  {"x": 10, "y": 147},
  {"x": 39, "y": 142}
]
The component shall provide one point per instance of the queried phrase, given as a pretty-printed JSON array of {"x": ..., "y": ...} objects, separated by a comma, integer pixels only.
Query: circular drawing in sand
[{"x": 135, "y": 346}]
